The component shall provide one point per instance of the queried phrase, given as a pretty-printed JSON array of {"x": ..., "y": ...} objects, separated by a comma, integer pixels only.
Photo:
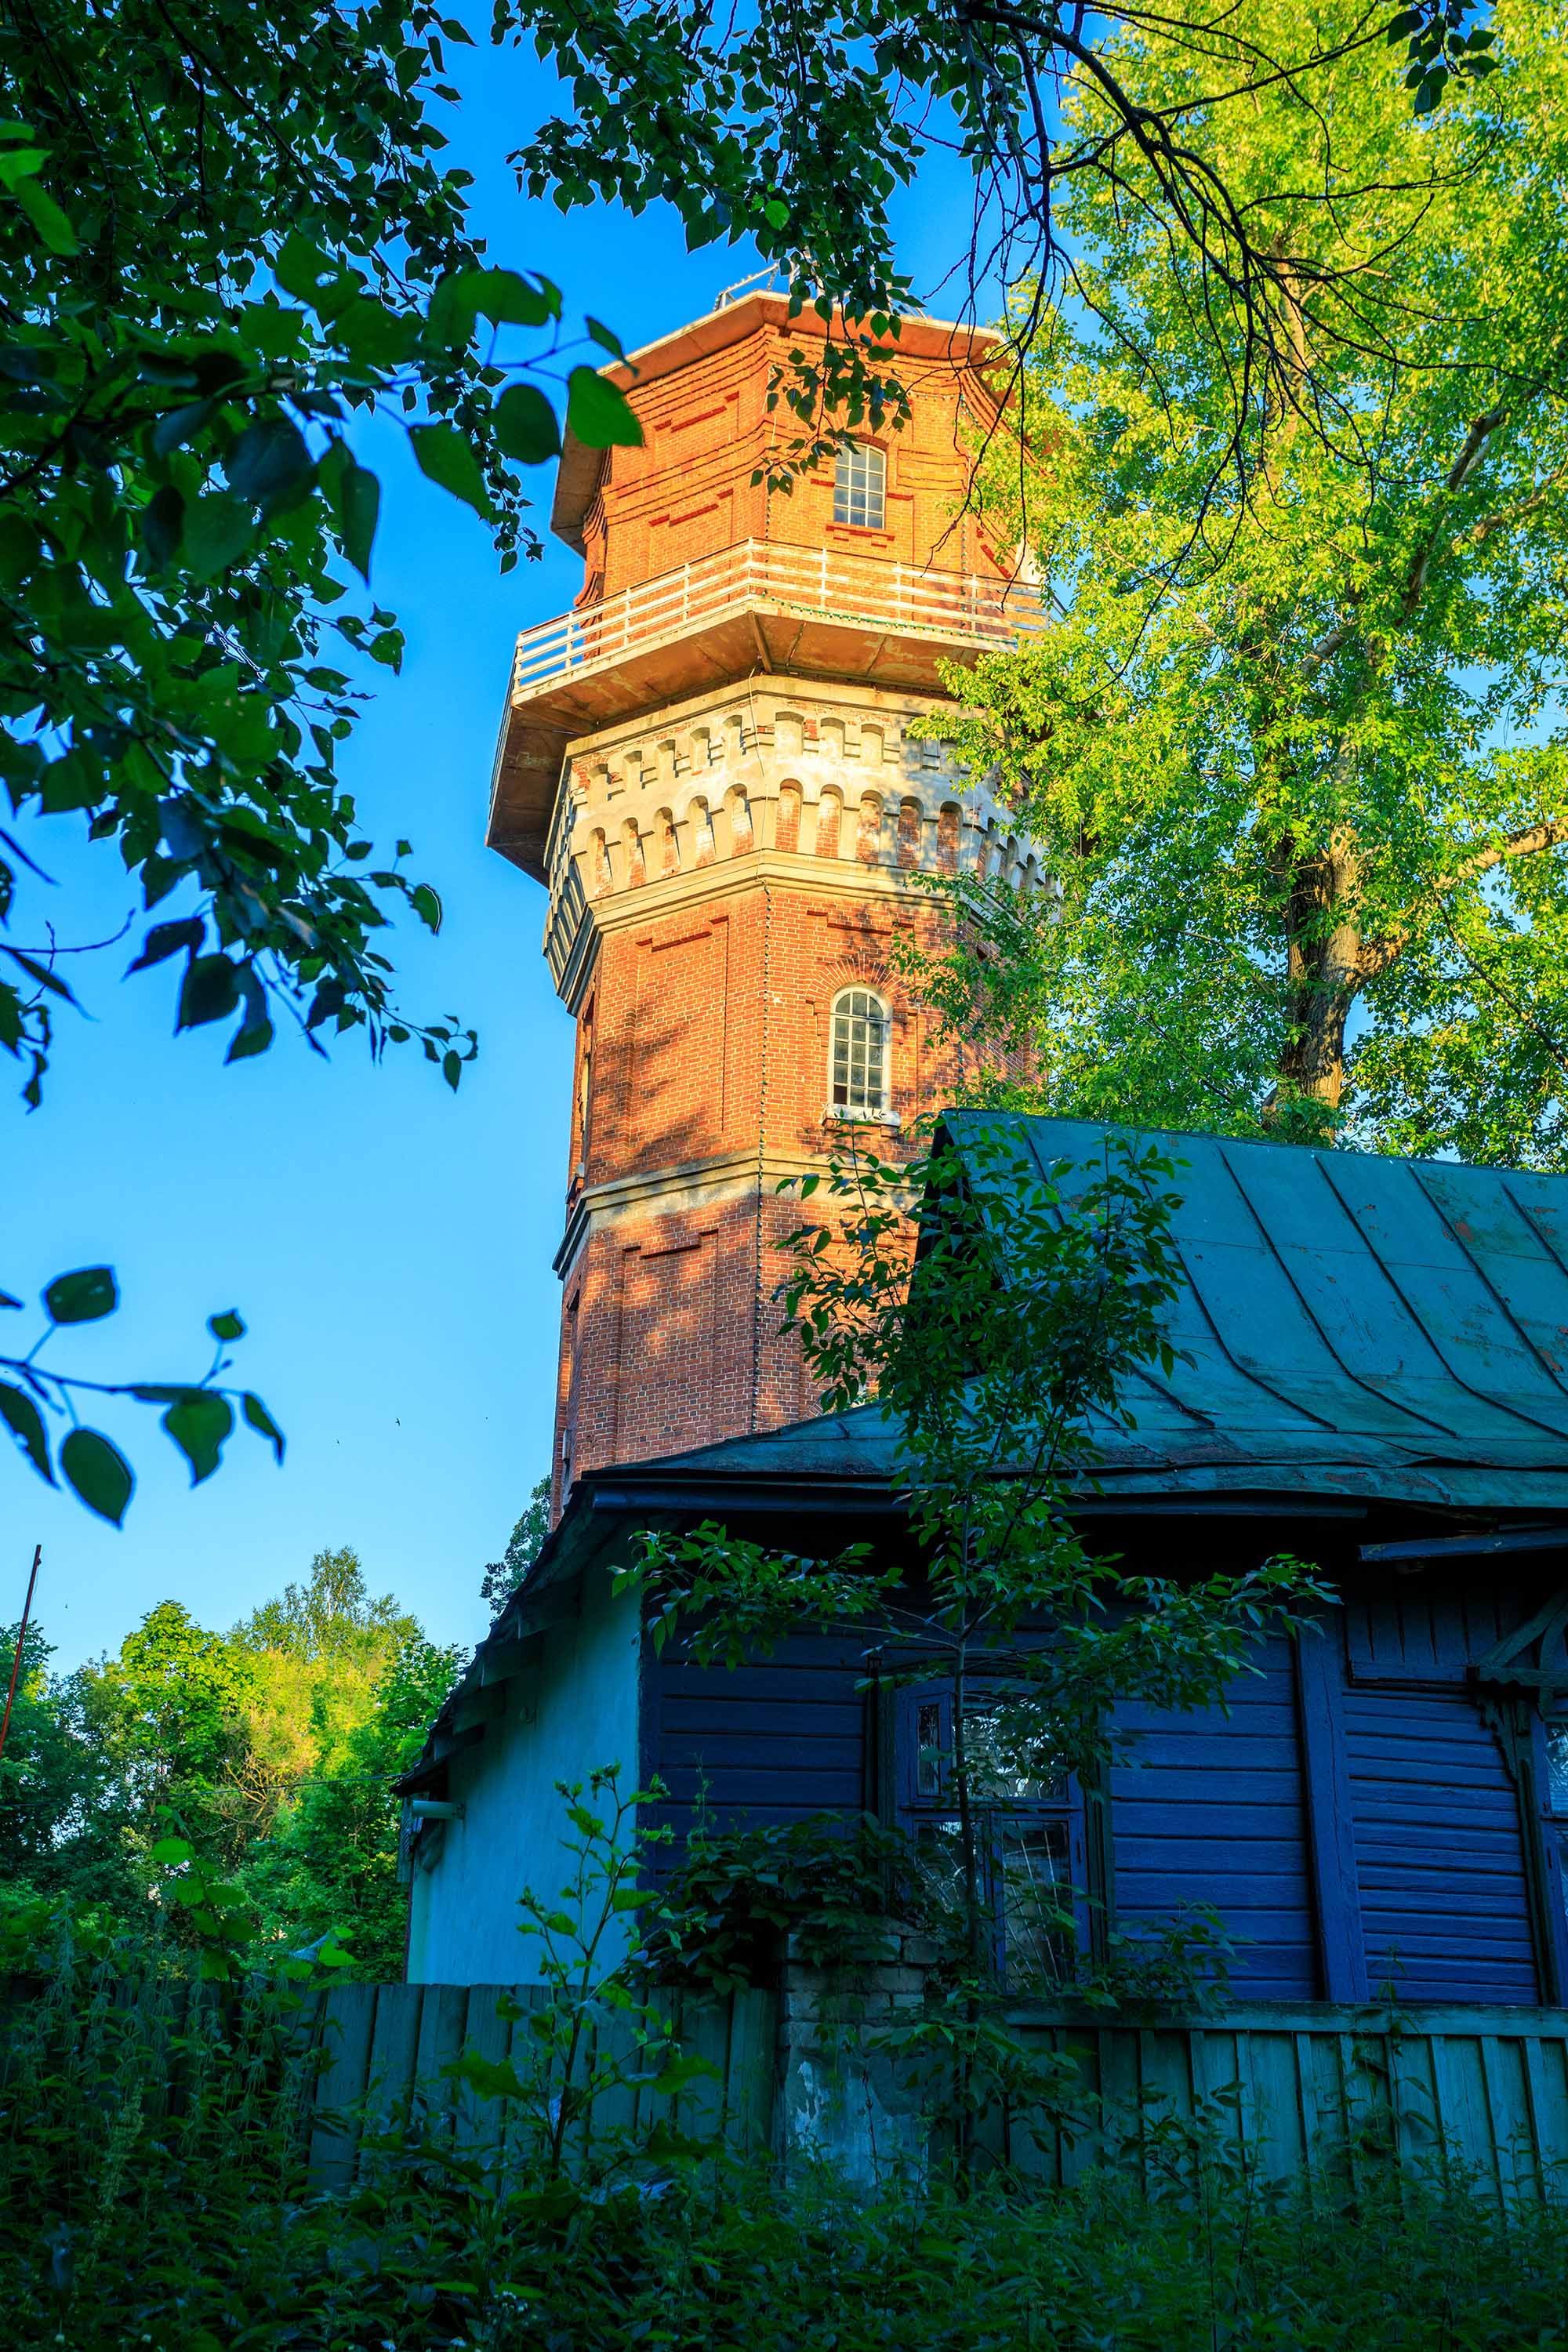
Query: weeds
[{"x": 153, "y": 2163}]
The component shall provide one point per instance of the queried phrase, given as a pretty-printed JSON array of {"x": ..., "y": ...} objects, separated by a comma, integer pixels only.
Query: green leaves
[
  {"x": 261, "y": 1421},
  {"x": 19, "y": 168},
  {"x": 209, "y": 990},
  {"x": 187, "y": 512},
  {"x": 599, "y": 413},
  {"x": 98, "y": 1473},
  {"x": 491, "y": 2078},
  {"x": 26, "y": 1422},
  {"x": 313, "y": 277},
  {"x": 215, "y": 533},
  {"x": 446, "y": 457},
  {"x": 498, "y": 294},
  {"x": 198, "y": 1416},
  {"x": 1439, "y": 50},
  {"x": 271, "y": 464},
  {"x": 199, "y": 1421},
  {"x": 82, "y": 1296},
  {"x": 1248, "y": 775},
  {"x": 525, "y": 426},
  {"x": 356, "y": 495}
]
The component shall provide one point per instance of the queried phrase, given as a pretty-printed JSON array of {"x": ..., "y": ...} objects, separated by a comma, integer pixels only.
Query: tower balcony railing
[{"x": 819, "y": 584}]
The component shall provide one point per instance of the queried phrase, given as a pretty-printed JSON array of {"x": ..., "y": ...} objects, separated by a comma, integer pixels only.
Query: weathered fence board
[
  {"x": 1483, "y": 2089},
  {"x": 1294, "y": 2089},
  {"x": 385, "y": 2046}
]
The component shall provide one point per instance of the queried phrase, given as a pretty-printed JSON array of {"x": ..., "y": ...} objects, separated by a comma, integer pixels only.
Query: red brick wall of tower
[{"x": 709, "y": 1038}]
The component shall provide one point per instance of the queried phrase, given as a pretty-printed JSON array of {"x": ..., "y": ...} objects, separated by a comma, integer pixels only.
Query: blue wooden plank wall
[
  {"x": 1439, "y": 1864},
  {"x": 1210, "y": 1812},
  {"x": 1215, "y": 1810},
  {"x": 1431, "y": 1630},
  {"x": 775, "y": 1740}
]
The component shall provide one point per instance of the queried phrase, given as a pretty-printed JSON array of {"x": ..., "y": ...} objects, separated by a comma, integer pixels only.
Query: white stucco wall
[{"x": 582, "y": 1701}]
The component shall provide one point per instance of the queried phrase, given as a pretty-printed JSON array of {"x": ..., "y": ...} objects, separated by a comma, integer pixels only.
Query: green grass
[{"x": 153, "y": 2162}]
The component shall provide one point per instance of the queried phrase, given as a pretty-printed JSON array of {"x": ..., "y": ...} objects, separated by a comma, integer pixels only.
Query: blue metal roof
[
  {"x": 1353, "y": 1326},
  {"x": 1356, "y": 1329}
]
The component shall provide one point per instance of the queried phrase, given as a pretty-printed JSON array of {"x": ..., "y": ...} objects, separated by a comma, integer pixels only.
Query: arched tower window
[
  {"x": 860, "y": 488},
  {"x": 858, "y": 1064}
]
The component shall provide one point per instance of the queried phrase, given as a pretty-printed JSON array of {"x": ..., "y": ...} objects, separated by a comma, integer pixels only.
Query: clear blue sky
[{"x": 388, "y": 1244}]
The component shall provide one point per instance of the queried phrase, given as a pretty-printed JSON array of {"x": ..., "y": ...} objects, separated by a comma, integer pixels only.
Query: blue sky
[{"x": 388, "y": 1244}]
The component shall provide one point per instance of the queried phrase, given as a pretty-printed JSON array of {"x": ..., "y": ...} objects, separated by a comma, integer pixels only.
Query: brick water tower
[{"x": 709, "y": 763}]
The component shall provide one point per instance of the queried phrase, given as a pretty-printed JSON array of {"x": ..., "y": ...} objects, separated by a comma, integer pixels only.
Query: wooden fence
[
  {"x": 381, "y": 2044},
  {"x": 1482, "y": 2089}
]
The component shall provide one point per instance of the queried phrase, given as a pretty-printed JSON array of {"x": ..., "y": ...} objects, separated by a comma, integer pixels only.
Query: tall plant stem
[{"x": 21, "y": 1638}]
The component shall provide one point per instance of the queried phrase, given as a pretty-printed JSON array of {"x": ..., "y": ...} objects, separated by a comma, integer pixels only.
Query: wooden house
[{"x": 1373, "y": 1376}]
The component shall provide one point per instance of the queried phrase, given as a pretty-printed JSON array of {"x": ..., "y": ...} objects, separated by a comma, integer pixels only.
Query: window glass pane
[
  {"x": 1038, "y": 1939},
  {"x": 1557, "y": 1767},
  {"x": 859, "y": 1071},
  {"x": 859, "y": 488},
  {"x": 1006, "y": 1764},
  {"x": 928, "y": 1749},
  {"x": 939, "y": 1846}
]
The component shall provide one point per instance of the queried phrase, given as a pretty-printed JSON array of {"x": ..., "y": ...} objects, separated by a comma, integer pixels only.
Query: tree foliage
[
  {"x": 799, "y": 123},
  {"x": 273, "y": 1747},
  {"x": 502, "y": 1576},
  {"x": 1293, "y": 751},
  {"x": 226, "y": 237},
  {"x": 197, "y": 1416}
]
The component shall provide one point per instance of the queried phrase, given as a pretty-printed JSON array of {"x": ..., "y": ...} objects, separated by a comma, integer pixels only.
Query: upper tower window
[
  {"x": 860, "y": 488},
  {"x": 858, "y": 1074}
]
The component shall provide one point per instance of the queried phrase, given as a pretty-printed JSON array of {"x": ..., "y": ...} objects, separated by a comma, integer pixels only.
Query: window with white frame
[
  {"x": 857, "y": 1064},
  {"x": 860, "y": 488},
  {"x": 1029, "y": 1825}
]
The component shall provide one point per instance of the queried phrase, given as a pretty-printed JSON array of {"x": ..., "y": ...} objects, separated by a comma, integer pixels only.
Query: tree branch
[{"x": 1550, "y": 834}]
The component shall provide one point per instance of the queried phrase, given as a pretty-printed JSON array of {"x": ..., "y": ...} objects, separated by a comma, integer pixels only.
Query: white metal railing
[{"x": 822, "y": 582}]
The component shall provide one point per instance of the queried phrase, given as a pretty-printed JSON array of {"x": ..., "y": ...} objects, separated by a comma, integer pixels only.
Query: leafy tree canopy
[
  {"x": 1293, "y": 748},
  {"x": 55, "y": 1789},
  {"x": 275, "y": 1747},
  {"x": 225, "y": 235},
  {"x": 801, "y": 120},
  {"x": 502, "y": 1576},
  {"x": 331, "y": 1617}
]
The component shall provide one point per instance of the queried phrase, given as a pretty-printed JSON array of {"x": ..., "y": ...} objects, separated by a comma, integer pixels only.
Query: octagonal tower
[{"x": 709, "y": 763}]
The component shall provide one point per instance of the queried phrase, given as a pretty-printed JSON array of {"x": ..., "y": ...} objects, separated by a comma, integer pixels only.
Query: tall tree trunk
[{"x": 1323, "y": 970}]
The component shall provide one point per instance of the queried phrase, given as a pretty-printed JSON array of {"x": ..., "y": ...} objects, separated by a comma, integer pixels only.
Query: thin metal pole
[{"x": 16, "y": 1661}]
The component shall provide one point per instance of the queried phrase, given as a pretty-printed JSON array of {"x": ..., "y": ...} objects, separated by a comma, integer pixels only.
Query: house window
[
  {"x": 860, "y": 488},
  {"x": 857, "y": 1067},
  {"x": 1028, "y": 1829},
  {"x": 1556, "y": 1815}
]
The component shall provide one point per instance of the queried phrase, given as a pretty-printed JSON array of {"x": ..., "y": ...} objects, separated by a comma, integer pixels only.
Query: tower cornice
[{"x": 801, "y": 783}]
